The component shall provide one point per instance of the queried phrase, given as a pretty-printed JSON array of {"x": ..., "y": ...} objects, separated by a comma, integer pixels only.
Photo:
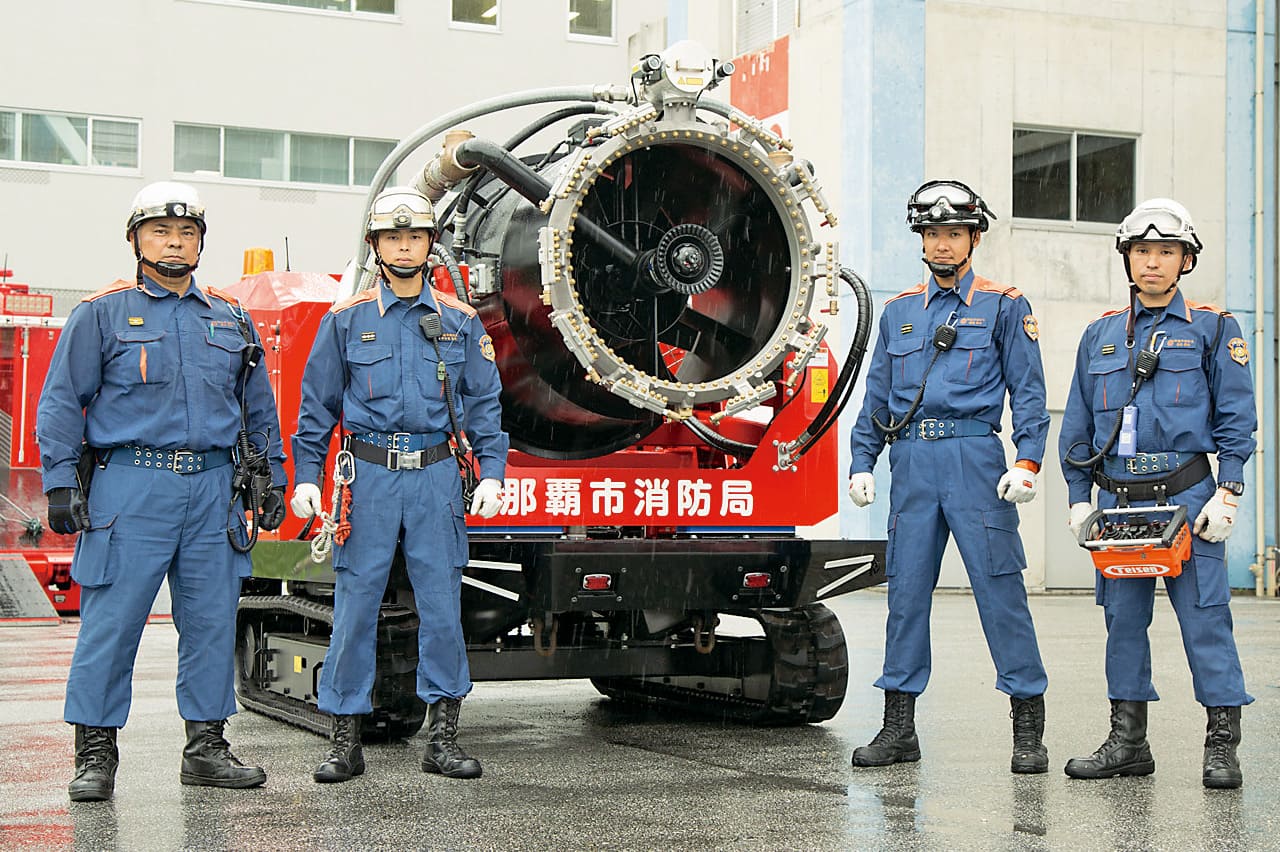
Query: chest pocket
[
  {"x": 970, "y": 361},
  {"x": 142, "y": 359},
  {"x": 373, "y": 371},
  {"x": 455, "y": 359},
  {"x": 908, "y": 359},
  {"x": 225, "y": 354},
  {"x": 1180, "y": 380},
  {"x": 1111, "y": 380}
]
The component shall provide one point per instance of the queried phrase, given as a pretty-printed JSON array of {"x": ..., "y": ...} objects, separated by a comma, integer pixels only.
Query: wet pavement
[{"x": 567, "y": 768}]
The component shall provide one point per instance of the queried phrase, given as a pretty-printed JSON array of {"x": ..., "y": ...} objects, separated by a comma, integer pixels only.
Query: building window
[
  {"x": 276, "y": 155},
  {"x": 377, "y": 7},
  {"x": 762, "y": 22},
  {"x": 68, "y": 140},
  {"x": 478, "y": 13},
  {"x": 591, "y": 19},
  {"x": 1070, "y": 176}
]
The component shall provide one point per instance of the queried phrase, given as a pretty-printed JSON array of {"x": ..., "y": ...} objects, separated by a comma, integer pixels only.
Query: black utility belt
[
  {"x": 1183, "y": 477},
  {"x": 394, "y": 459}
]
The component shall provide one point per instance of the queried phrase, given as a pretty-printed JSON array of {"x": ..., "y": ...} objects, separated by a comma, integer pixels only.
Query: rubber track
[
  {"x": 399, "y": 717},
  {"x": 810, "y": 674}
]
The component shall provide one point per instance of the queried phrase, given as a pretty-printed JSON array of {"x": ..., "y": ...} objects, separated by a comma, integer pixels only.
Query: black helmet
[{"x": 947, "y": 202}]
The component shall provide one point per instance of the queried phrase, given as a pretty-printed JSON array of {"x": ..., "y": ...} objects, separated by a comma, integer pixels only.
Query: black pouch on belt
[{"x": 85, "y": 466}]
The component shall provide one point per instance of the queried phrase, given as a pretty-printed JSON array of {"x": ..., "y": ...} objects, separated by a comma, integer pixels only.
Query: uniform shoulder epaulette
[
  {"x": 986, "y": 285},
  {"x": 226, "y": 297},
  {"x": 118, "y": 287},
  {"x": 910, "y": 291},
  {"x": 358, "y": 299},
  {"x": 453, "y": 302},
  {"x": 1111, "y": 313},
  {"x": 1206, "y": 306}
]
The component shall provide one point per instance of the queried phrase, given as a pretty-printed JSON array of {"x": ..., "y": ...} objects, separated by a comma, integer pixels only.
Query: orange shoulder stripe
[
  {"x": 986, "y": 285},
  {"x": 1206, "y": 306},
  {"x": 118, "y": 287},
  {"x": 359, "y": 298},
  {"x": 453, "y": 302},
  {"x": 911, "y": 291},
  {"x": 226, "y": 297}
]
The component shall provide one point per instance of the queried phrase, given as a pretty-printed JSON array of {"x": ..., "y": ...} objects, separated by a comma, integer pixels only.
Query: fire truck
[{"x": 646, "y": 262}]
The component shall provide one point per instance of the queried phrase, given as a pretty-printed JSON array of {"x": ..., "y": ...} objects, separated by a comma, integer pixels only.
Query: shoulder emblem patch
[
  {"x": 1031, "y": 327},
  {"x": 486, "y": 347},
  {"x": 1239, "y": 350}
]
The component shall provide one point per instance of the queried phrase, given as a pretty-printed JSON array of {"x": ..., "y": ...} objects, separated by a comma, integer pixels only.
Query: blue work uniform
[
  {"x": 946, "y": 464},
  {"x": 1200, "y": 400},
  {"x": 152, "y": 381},
  {"x": 372, "y": 368}
]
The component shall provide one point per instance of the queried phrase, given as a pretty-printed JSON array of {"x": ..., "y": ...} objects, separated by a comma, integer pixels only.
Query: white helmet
[
  {"x": 164, "y": 200},
  {"x": 1158, "y": 219},
  {"x": 399, "y": 207}
]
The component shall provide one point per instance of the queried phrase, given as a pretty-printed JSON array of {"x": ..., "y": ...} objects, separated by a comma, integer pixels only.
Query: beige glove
[
  {"x": 862, "y": 489},
  {"x": 1217, "y": 519},
  {"x": 1018, "y": 485},
  {"x": 306, "y": 500},
  {"x": 1078, "y": 514},
  {"x": 488, "y": 498}
]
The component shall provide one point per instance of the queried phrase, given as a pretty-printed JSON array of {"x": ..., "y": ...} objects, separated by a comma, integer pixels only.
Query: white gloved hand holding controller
[
  {"x": 862, "y": 489},
  {"x": 488, "y": 498},
  {"x": 306, "y": 500},
  {"x": 1218, "y": 517},
  {"x": 1078, "y": 514},
  {"x": 1018, "y": 485}
]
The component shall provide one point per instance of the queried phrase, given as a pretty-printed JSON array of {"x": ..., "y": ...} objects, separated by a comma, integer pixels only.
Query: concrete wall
[{"x": 258, "y": 66}]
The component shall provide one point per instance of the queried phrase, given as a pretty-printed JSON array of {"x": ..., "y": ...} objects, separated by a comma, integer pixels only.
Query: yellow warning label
[
  {"x": 297, "y": 665},
  {"x": 818, "y": 388}
]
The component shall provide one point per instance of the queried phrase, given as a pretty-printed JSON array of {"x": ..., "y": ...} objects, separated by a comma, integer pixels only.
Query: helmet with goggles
[
  {"x": 1156, "y": 220},
  {"x": 400, "y": 207},
  {"x": 947, "y": 202},
  {"x": 165, "y": 200}
]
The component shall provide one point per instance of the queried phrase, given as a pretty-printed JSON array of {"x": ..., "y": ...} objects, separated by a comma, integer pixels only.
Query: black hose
[
  {"x": 455, "y": 273},
  {"x": 716, "y": 441},
  {"x": 842, "y": 391},
  {"x": 535, "y": 188}
]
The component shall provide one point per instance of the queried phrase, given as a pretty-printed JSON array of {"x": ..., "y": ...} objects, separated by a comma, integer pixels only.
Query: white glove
[
  {"x": 306, "y": 500},
  {"x": 1218, "y": 517},
  {"x": 1018, "y": 485},
  {"x": 488, "y": 498},
  {"x": 862, "y": 489},
  {"x": 1077, "y": 515}
]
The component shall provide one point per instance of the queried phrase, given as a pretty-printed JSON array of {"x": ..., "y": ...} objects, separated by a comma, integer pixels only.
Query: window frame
[
  {"x": 19, "y": 115},
  {"x": 1074, "y": 223},
  {"x": 582, "y": 38},
  {"x": 469, "y": 26},
  {"x": 286, "y": 158},
  {"x": 351, "y": 12}
]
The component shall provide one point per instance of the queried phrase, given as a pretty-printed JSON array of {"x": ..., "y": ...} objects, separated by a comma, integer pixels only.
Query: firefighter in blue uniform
[
  {"x": 148, "y": 379},
  {"x": 948, "y": 352},
  {"x": 374, "y": 368},
  {"x": 1198, "y": 400}
]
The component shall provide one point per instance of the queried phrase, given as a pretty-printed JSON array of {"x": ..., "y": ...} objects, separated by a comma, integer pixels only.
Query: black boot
[
  {"x": 207, "y": 760},
  {"x": 1030, "y": 757},
  {"x": 444, "y": 755},
  {"x": 1125, "y": 751},
  {"x": 346, "y": 757},
  {"x": 96, "y": 760},
  {"x": 1221, "y": 766},
  {"x": 896, "y": 742}
]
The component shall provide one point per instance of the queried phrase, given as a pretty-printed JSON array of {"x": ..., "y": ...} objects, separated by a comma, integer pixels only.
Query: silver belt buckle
[
  {"x": 927, "y": 423},
  {"x": 1131, "y": 464},
  {"x": 177, "y": 455},
  {"x": 409, "y": 461}
]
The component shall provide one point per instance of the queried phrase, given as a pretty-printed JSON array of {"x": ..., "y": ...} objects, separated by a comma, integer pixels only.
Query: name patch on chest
[
  {"x": 1179, "y": 343},
  {"x": 135, "y": 320},
  {"x": 449, "y": 336},
  {"x": 980, "y": 322},
  {"x": 368, "y": 336},
  {"x": 212, "y": 323}
]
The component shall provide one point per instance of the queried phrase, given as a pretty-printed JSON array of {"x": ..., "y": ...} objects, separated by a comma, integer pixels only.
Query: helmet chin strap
[{"x": 403, "y": 271}]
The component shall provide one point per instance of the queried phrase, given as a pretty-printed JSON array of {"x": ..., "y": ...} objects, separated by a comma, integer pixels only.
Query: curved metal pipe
[{"x": 412, "y": 142}]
